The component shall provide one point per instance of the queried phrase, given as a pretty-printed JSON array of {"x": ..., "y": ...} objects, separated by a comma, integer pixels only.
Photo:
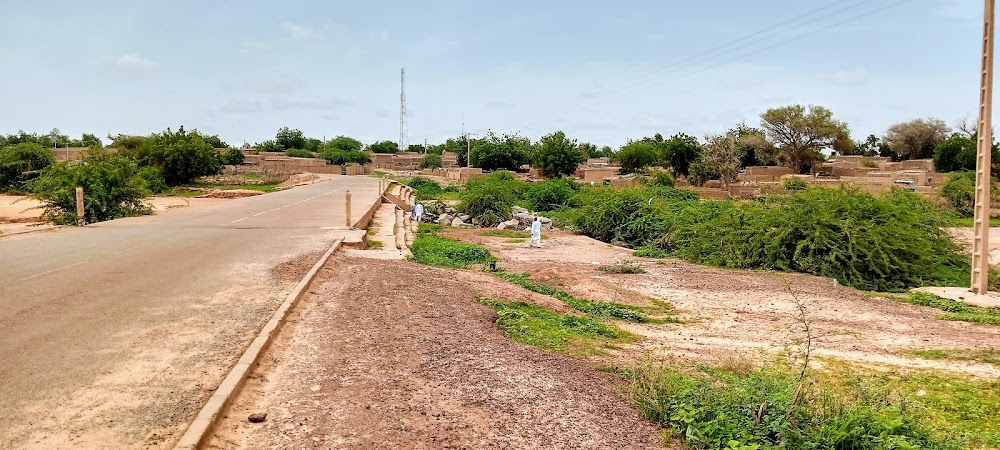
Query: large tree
[
  {"x": 384, "y": 147},
  {"x": 637, "y": 155},
  {"x": 723, "y": 153},
  {"x": 679, "y": 152},
  {"x": 507, "y": 152},
  {"x": 344, "y": 144},
  {"x": 557, "y": 156},
  {"x": 801, "y": 133},
  {"x": 288, "y": 139},
  {"x": 916, "y": 139},
  {"x": 182, "y": 156}
]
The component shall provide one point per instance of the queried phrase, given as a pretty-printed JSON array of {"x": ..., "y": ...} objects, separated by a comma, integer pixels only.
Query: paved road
[{"x": 112, "y": 335}]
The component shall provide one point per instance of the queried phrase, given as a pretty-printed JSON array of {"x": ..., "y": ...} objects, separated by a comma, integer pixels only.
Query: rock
[
  {"x": 257, "y": 417},
  {"x": 457, "y": 222},
  {"x": 518, "y": 209},
  {"x": 476, "y": 221},
  {"x": 544, "y": 220},
  {"x": 464, "y": 217},
  {"x": 547, "y": 226},
  {"x": 449, "y": 210},
  {"x": 502, "y": 226},
  {"x": 445, "y": 219}
]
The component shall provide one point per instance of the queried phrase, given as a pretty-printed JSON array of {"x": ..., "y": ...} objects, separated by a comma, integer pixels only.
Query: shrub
[
  {"x": 431, "y": 162},
  {"x": 550, "y": 195},
  {"x": 426, "y": 188},
  {"x": 959, "y": 191},
  {"x": 233, "y": 157},
  {"x": 770, "y": 408},
  {"x": 21, "y": 163},
  {"x": 490, "y": 199},
  {"x": 700, "y": 173},
  {"x": 433, "y": 250},
  {"x": 353, "y": 157},
  {"x": 154, "y": 181},
  {"x": 269, "y": 146},
  {"x": 112, "y": 188},
  {"x": 660, "y": 178},
  {"x": 298, "y": 153},
  {"x": 637, "y": 216},
  {"x": 507, "y": 152},
  {"x": 534, "y": 325},
  {"x": 182, "y": 156},
  {"x": 795, "y": 184},
  {"x": 870, "y": 163},
  {"x": 637, "y": 155}
]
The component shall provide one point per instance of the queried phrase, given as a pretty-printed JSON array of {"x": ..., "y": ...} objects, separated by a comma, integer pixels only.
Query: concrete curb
[{"x": 207, "y": 418}]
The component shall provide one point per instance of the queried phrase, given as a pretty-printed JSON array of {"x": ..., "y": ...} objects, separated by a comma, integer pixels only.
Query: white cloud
[
  {"x": 128, "y": 62},
  {"x": 298, "y": 32}
]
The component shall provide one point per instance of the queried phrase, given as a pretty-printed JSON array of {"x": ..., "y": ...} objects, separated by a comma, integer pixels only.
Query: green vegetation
[
  {"x": 605, "y": 310},
  {"x": 338, "y": 157},
  {"x": 574, "y": 333},
  {"x": 233, "y": 157},
  {"x": 428, "y": 189},
  {"x": 375, "y": 244},
  {"x": 622, "y": 267},
  {"x": 777, "y": 407},
  {"x": 433, "y": 250},
  {"x": 112, "y": 184},
  {"x": 384, "y": 147},
  {"x": 549, "y": 195},
  {"x": 298, "y": 153},
  {"x": 21, "y": 163},
  {"x": 795, "y": 184},
  {"x": 507, "y": 152},
  {"x": 956, "y": 311},
  {"x": 557, "y": 156},
  {"x": 506, "y": 234},
  {"x": 430, "y": 162},
  {"x": 988, "y": 356},
  {"x": 180, "y": 156},
  {"x": 491, "y": 198}
]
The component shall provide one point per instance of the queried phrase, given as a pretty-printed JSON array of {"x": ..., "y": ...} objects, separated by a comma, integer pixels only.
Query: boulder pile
[{"x": 444, "y": 215}]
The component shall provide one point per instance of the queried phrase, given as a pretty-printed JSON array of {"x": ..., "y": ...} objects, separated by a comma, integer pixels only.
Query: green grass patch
[
  {"x": 768, "y": 408},
  {"x": 506, "y": 234},
  {"x": 988, "y": 356},
  {"x": 953, "y": 310},
  {"x": 622, "y": 267},
  {"x": 515, "y": 241},
  {"x": 578, "y": 334},
  {"x": 600, "y": 309},
  {"x": 375, "y": 244},
  {"x": 431, "y": 249}
]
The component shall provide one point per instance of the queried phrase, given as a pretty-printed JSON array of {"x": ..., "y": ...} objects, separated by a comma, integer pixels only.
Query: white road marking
[{"x": 53, "y": 270}]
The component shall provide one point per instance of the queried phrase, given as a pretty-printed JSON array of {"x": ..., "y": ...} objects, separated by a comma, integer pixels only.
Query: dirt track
[{"x": 409, "y": 359}]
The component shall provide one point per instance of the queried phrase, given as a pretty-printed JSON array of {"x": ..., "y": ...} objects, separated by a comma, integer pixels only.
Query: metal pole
[{"x": 981, "y": 231}]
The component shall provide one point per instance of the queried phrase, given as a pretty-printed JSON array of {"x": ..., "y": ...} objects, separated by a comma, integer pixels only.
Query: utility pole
[
  {"x": 403, "y": 144},
  {"x": 981, "y": 239},
  {"x": 468, "y": 147}
]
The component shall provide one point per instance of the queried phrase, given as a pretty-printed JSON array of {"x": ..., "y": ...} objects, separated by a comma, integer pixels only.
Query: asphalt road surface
[{"x": 113, "y": 335}]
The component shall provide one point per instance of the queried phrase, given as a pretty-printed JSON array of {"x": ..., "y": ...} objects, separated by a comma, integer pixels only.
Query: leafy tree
[
  {"x": 289, "y": 139},
  {"x": 958, "y": 153},
  {"x": 959, "y": 190},
  {"x": 233, "y": 157},
  {"x": 298, "y": 153},
  {"x": 384, "y": 147},
  {"x": 604, "y": 152},
  {"x": 722, "y": 153},
  {"x": 337, "y": 157},
  {"x": 915, "y": 139},
  {"x": 700, "y": 173},
  {"x": 801, "y": 133},
  {"x": 214, "y": 141},
  {"x": 490, "y": 199},
  {"x": 112, "y": 184},
  {"x": 21, "y": 163},
  {"x": 871, "y": 146},
  {"x": 557, "y": 156},
  {"x": 415, "y": 148},
  {"x": 89, "y": 140},
  {"x": 550, "y": 195},
  {"x": 430, "y": 161},
  {"x": 460, "y": 146},
  {"x": 313, "y": 145},
  {"x": 125, "y": 143},
  {"x": 269, "y": 146},
  {"x": 637, "y": 155},
  {"x": 679, "y": 152},
  {"x": 344, "y": 144},
  {"x": 436, "y": 149},
  {"x": 507, "y": 152},
  {"x": 182, "y": 156}
]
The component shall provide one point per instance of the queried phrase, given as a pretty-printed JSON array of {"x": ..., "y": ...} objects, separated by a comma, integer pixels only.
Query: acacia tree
[
  {"x": 384, "y": 147},
  {"x": 679, "y": 152},
  {"x": 637, "y": 155},
  {"x": 801, "y": 133},
  {"x": 343, "y": 144},
  {"x": 917, "y": 138},
  {"x": 723, "y": 153},
  {"x": 557, "y": 156}
]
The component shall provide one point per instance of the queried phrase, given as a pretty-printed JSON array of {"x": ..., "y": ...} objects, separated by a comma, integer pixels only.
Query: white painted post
[
  {"x": 347, "y": 207},
  {"x": 79, "y": 206}
]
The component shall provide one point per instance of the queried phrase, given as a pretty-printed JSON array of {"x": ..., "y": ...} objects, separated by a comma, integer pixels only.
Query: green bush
[
  {"x": 885, "y": 244},
  {"x": 426, "y": 188},
  {"x": 298, "y": 153},
  {"x": 533, "y": 325},
  {"x": 182, "y": 156},
  {"x": 433, "y": 250},
  {"x": 660, "y": 178},
  {"x": 491, "y": 199},
  {"x": 959, "y": 191},
  {"x": 795, "y": 184},
  {"x": 431, "y": 162},
  {"x": 21, "y": 163},
  {"x": 154, "y": 181},
  {"x": 233, "y": 157},
  {"x": 113, "y": 187},
  {"x": 768, "y": 408},
  {"x": 557, "y": 156},
  {"x": 337, "y": 157},
  {"x": 550, "y": 195}
]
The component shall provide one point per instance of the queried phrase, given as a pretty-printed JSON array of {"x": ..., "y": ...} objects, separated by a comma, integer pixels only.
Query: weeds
[
  {"x": 622, "y": 267},
  {"x": 506, "y": 234},
  {"x": 434, "y": 250},
  {"x": 599, "y": 309},
  {"x": 571, "y": 333},
  {"x": 954, "y": 310},
  {"x": 988, "y": 356}
]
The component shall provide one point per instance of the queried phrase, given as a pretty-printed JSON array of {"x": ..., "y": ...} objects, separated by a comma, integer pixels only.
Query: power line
[
  {"x": 659, "y": 72},
  {"x": 640, "y": 89}
]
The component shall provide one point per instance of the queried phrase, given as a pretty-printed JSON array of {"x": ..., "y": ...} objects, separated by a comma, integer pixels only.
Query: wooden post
[
  {"x": 981, "y": 228},
  {"x": 79, "y": 206},
  {"x": 347, "y": 207}
]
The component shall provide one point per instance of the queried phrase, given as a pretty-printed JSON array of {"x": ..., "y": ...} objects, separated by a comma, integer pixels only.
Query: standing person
[
  {"x": 418, "y": 212},
  {"x": 536, "y": 234}
]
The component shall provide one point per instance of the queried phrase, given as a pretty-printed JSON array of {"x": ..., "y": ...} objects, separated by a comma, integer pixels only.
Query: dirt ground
[
  {"x": 729, "y": 310},
  {"x": 411, "y": 359}
]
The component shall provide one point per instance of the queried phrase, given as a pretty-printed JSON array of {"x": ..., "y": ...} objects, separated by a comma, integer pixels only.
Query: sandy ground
[
  {"x": 730, "y": 310},
  {"x": 411, "y": 359},
  {"x": 964, "y": 237}
]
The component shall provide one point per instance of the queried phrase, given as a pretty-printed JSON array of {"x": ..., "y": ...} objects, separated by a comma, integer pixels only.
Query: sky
[{"x": 601, "y": 71}]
